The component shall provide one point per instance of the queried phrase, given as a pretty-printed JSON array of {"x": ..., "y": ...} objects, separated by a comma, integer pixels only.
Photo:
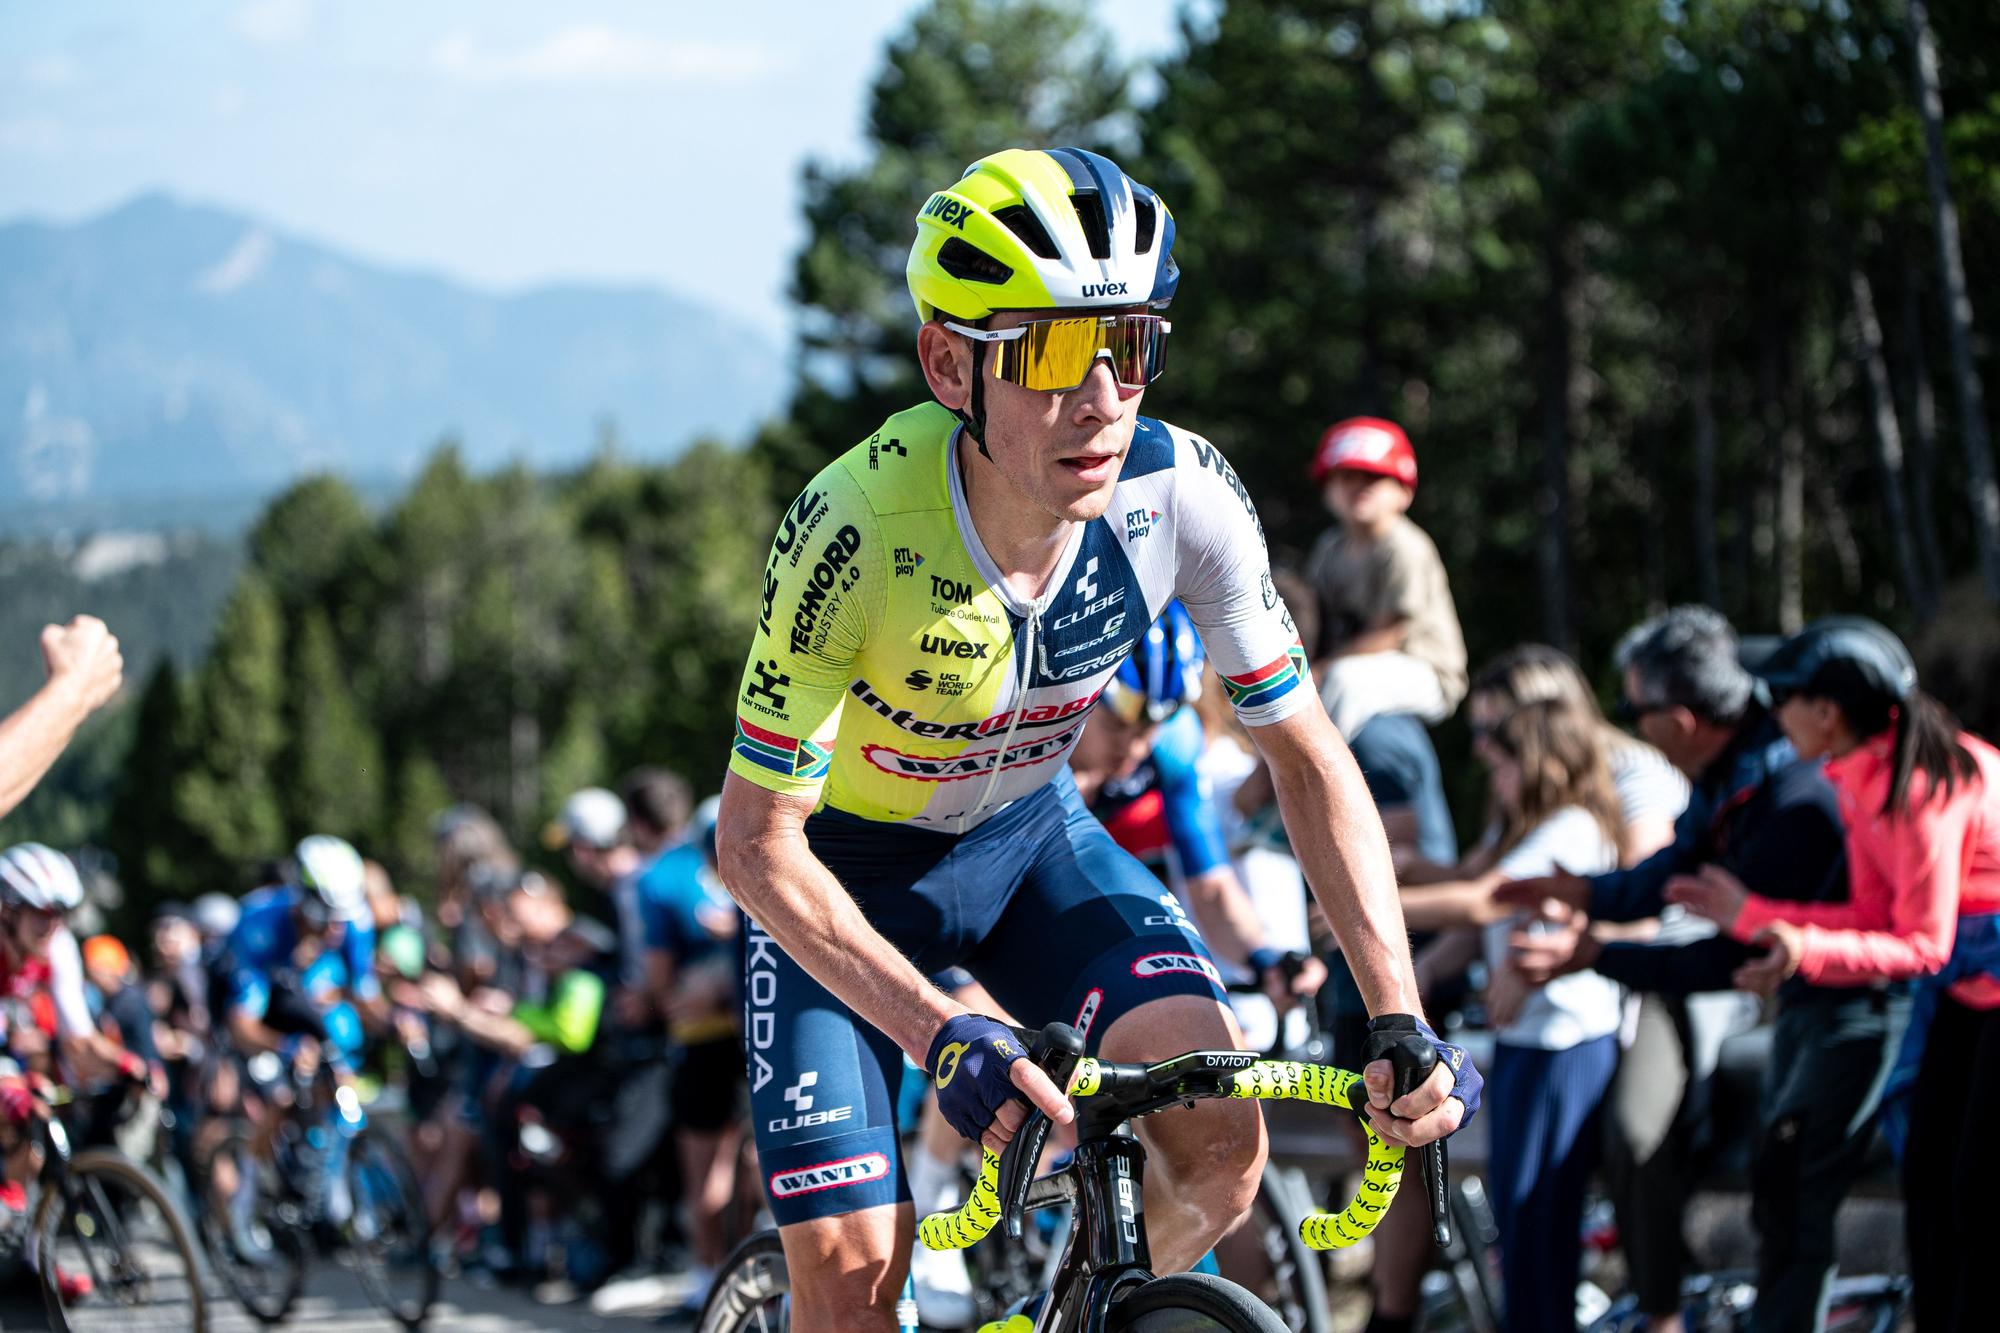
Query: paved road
[{"x": 334, "y": 1303}]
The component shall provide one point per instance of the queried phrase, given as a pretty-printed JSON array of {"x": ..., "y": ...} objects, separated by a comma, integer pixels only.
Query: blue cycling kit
[
  {"x": 1038, "y": 902},
  {"x": 261, "y": 958},
  {"x": 1166, "y": 802}
]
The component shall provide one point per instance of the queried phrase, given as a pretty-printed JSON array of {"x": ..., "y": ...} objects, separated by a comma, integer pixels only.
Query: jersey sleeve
[
  {"x": 824, "y": 565},
  {"x": 358, "y": 943},
  {"x": 1223, "y": 578},
  {"x": 66, "y": 986},
  {"x": 1187, "y": 796}
]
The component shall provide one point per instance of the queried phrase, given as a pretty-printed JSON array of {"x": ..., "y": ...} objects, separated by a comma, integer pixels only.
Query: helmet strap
[{"x": 974, "y": 413}]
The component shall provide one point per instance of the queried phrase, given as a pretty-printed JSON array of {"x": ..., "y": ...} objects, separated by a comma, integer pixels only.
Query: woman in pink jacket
[{"x": 1921, "y": 801}]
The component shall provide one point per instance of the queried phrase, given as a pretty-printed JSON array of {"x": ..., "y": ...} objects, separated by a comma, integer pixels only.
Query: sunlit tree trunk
[{"x": 1984, "y": 494}]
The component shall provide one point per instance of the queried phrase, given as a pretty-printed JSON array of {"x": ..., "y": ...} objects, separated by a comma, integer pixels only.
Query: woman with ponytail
[{"x": 1921, "y": 802}]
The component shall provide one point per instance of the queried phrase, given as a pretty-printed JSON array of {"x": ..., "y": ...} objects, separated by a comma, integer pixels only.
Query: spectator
[
  {"x": 84, "y": 670},
  {"x": 1556, "y": 1045},
  {"x": 1770, "y": 819},
  {"x": 657, "y": 804},
  {"x": 1921, "y": 801},
  {"x": 1389, "y": 635}
]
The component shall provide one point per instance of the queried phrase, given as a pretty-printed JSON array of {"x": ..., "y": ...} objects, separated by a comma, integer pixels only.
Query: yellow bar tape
[
  {"x": 1287, "y": 1080},
  {"x": 1277, "y": 1080},
  {"x": 974, "y": 1218}
]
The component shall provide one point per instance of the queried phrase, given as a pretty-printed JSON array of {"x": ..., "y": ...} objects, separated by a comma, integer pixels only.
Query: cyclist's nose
[{"x": 1098, "y": 397}]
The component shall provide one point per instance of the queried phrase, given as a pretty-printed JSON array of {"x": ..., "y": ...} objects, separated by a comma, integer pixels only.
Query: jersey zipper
[{"x": 1034, "y": 626}]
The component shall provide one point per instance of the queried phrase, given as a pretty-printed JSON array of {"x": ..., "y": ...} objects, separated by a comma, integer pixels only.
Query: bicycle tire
[
  {"x": 287, "y": 1248},
  {"x": 1297, "y": 1278},
  {"x": 55, "y": 1215},
  {"x": 1191, "y": 1303},
  {"x": 413, "y": 1243},
  {"x": 750, "y": 1282}
]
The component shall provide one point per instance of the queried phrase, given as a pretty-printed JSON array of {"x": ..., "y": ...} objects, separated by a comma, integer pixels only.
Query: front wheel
[
  {"x": 114, "y": 1253},
  {"x": 1191, "y": 1303},
  {"x": 388, "y": 1232}
]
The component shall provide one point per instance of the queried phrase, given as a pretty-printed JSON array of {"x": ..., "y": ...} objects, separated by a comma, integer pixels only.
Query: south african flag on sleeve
[
  {"x": 1268, "y": 683},
  {"x": 781, "y": 754}
]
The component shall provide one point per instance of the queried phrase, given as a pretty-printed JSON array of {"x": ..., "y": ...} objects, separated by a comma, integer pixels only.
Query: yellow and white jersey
[{"x": 895, "y": 676}]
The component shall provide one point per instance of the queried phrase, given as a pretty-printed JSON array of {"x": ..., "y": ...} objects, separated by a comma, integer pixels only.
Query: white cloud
[
  {"x": 53, "y": 71},
  {"x": 274, "y": 22},
  {"x": 590, "y": 53}
]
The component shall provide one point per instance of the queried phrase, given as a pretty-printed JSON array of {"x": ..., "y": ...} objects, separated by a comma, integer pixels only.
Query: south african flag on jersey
[
  {"x": 780, "y": 754},
  {"x": 1271, "y": 681}
]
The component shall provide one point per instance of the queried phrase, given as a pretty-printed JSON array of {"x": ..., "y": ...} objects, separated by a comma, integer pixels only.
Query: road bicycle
[
  {"x": 1104, "y": 1282},
  {"x": 324, "y": 1183},
  {"x": 101, "y": 1216}
]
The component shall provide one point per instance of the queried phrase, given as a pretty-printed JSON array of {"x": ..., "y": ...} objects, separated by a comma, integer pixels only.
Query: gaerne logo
[
  {"x": 829, "y": 1175},
  {"x": 1167, "y": 964}
]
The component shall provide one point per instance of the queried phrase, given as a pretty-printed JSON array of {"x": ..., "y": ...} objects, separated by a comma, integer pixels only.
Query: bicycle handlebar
[{"x": 1235, "y": 1075}]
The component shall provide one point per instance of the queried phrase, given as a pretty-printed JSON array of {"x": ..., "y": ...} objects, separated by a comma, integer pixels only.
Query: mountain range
[{"x": 166, "y": 352}]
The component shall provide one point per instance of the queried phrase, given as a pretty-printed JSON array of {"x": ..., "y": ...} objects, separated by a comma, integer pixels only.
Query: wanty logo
[
  {"x": 972, "y": 764},
  {"x": 830, "y": 1175},
  {"x": 1169, "y": 964}
]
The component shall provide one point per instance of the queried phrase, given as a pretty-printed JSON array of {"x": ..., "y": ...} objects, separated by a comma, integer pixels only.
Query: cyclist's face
[
  {"x": 1062, "y": 450},
  {"x": 33, "y": 929},
  {"x": 1112, "y": 746}
]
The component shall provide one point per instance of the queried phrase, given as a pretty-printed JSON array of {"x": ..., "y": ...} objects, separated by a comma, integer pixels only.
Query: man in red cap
[{"x": 1390, "y": 641}]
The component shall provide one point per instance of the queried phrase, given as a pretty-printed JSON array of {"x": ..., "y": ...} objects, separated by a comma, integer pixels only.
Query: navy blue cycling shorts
[{"x": 1038, "y": 903}]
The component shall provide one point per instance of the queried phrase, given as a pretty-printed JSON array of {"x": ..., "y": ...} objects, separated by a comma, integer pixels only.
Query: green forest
[{"x": 1678, "y": 299}]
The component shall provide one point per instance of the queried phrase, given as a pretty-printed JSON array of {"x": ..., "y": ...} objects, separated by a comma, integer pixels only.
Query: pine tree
[
  {"x": 333, "y": 771},
  {"x": 227, "y": 796}
]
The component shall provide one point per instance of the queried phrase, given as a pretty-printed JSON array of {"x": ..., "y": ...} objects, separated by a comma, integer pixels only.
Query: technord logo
[
  {"x": 829, "y": 1175},
  {"x": 1166, "y": 964}
]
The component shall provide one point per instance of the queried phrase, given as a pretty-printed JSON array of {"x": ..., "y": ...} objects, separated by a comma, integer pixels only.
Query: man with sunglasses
[{"x": 940, "y": 610}]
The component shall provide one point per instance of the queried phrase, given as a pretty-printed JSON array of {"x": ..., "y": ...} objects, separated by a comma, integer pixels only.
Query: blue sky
[{"x": 497, "y": 141}]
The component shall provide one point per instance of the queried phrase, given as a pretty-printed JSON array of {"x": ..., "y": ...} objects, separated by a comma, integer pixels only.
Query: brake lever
[
  {"x": 1413, "y": 1058},
  {"x": 1055, "y": 1049}
]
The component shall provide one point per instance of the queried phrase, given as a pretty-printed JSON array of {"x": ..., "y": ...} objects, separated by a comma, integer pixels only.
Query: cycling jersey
[
  {"x": 261, "y": 955},
  {"x": 896, "y": 677},
  {"x": 47, "y": 993},
  {"x": 1166, "y": 802}
]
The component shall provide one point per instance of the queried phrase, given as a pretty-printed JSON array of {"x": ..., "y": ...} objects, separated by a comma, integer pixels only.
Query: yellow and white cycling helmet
[{"x": 1041, "y": 229}]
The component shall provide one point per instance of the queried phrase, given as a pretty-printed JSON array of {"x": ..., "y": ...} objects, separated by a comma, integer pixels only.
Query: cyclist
[
  {"x": 49, "y": 1027},
  {"x": 299, "y": 968},
  {"x": 1137, "y": 769},
  {"x": 941, "y": 607}
]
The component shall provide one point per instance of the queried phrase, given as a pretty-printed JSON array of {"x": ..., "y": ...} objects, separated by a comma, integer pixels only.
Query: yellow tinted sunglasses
[{"x": 1055, "y": 355}]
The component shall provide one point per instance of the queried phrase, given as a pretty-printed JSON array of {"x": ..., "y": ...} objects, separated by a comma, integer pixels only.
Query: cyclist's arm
[{"x": 1338, "y": 839}]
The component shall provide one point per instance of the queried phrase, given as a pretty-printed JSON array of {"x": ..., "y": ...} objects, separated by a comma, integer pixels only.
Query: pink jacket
[{"x": 1909, "y": 878}]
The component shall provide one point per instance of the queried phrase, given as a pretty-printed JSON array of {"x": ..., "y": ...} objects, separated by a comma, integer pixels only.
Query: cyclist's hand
[
  {"x": 1572, "y": 891},
  {"x": 1438, "y": 1106},
  {"x": 1764, "y": 975},
  {"x": 1711, "y": 892},
  {"x": 985, "y": 1081}
]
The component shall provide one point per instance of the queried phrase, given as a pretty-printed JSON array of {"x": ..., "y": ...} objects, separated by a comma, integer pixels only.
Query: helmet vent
[
  {"x": 1145, "y": 220},
  {"x": 1090, "y": 212},
  {"x": 1021, "y": 220},
  {"x": 967, "y": 263}
]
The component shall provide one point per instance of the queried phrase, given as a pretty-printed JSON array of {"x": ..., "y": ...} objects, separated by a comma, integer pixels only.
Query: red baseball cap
[{"x": 1366, "y": 444}]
